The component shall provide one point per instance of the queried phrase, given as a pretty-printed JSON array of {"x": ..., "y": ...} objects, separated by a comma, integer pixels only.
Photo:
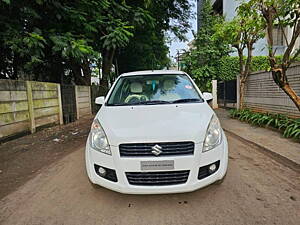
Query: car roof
[{"x": 152, "y": 72}]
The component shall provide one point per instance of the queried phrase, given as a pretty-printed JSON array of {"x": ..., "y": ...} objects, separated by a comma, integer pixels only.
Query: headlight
[
  {"x": 98, "y": 139},
  {"x": 213, "y": 134}
]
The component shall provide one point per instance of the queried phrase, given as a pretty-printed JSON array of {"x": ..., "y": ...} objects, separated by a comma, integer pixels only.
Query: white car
[{"x": 155, "y": 133}]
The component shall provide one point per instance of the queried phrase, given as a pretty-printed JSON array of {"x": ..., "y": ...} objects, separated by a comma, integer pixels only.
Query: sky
[{"x": 176, "y": 45}]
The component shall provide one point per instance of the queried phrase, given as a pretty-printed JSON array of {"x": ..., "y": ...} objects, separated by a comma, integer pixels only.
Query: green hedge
[
  {"x": 229, "y": 66},
  {"x": 290, "y": 127}
]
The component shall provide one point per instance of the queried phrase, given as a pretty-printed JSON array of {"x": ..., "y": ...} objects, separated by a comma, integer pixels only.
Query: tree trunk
[
  {"x": 280, "y": 78},
  {"x": 86, "y": 72},
  {"x": 242, "y": 92},
  {"x": 244, "y": 70},
  {"x": 279, "y": 71},
  {"x": 292, "y": 94},
  {"x": 242, "y": 77},
  {"x": 76, "y": 72},
  {"x": 241, "y": 60},
  {"x": 107, "y": 59}
]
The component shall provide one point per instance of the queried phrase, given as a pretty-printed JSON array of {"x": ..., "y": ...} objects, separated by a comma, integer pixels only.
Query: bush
[
  {"x": 289, "y": 126},
  {"x": 228, "y": 66}
]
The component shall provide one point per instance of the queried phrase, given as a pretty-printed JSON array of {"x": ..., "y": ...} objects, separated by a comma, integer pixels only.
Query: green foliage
[
  {"x": 285, "y": 16},
  {"x": 61, "y": 39},
  {"x": 6, "y": 1},
  {"x": 290, "y": 127},
  {"x": 243, "y": 30},
  {"x": 228, "y": 66},
  {"x": 171, "y": 15},
  {"x": 279, "y": 14},
  {"x": 48, "y": 39},
  {"x": 118, "y": 35},
  {"x": 147, "y": 49},
  {"x": 202, "y": 61},
  {"x": 70, "y": 47},
  {"x": 241, "y": 33}
]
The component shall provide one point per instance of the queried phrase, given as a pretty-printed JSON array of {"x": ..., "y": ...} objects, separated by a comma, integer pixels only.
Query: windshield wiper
[
  {"x": 187, "y": 100},
  {"x": 153, "y": 102},
  {"x": 118, "y": 104},
  {"x": 157, "y": 102}
]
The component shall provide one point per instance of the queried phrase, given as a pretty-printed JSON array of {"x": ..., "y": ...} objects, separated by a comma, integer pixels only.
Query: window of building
[{"x": 278, "y": 36}]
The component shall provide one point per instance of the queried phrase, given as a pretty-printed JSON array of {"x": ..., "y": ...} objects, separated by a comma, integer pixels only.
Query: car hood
[{"x": 155, "y": 123}]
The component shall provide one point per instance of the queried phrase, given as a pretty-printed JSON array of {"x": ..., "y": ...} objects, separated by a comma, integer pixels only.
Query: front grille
[
  {"x": 167, "y": 148},
  {"x": 157, "y": 178}
]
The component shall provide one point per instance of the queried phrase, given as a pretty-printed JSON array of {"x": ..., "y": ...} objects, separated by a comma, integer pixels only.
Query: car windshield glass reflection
[{"x": 153, "y": 90}]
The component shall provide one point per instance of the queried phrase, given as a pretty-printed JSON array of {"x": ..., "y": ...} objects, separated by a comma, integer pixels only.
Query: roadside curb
[{"x": 274, "y": 155}]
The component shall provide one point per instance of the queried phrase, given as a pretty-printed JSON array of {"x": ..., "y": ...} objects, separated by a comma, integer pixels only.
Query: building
[{"x": 227, "y": 8}]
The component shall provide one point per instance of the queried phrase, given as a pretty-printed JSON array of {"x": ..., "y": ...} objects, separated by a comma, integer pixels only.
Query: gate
[
  {"x": 68, "y": 99},
  {"x": 227, "y": 94},
  {"x": 95, "y": 92}
]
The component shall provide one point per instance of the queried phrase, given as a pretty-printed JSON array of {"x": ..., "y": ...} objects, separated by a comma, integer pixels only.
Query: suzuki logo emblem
[{"x": 156, "y": 150}]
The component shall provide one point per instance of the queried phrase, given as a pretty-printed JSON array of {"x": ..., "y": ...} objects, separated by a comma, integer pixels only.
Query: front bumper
[{"x": 126, "y": 164}]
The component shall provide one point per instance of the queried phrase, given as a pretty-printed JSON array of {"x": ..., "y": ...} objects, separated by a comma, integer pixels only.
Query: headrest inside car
[
  {"x": 169, "y": 85},
  {"x": 136, "y": 87}
]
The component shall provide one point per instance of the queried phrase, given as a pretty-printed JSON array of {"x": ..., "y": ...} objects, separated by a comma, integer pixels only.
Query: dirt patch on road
[
  {"x": 23, "y": 158},
  {"x": 256, "y": 191}
]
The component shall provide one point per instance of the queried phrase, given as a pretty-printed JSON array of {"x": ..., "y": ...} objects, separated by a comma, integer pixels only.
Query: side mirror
[
  {"x": 100, "y": 100},
  {"x": 207, "y": 96}
]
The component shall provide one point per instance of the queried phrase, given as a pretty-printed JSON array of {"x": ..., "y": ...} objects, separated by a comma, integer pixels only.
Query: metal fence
[
  {"x": 227, "y": 94},
  {"x": 95, "y": 92},
  {"x": 68, "y": 103}
]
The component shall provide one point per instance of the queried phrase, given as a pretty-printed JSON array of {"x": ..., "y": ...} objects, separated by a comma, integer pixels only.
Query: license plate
[{"x": 157, "y": 165}]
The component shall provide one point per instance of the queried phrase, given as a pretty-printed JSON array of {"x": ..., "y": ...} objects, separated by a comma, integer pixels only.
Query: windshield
[{"x": 153, "y": 89}]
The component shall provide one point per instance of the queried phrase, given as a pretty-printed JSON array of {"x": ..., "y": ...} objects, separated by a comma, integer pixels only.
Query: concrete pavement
[{"x": 272, "y": 142}]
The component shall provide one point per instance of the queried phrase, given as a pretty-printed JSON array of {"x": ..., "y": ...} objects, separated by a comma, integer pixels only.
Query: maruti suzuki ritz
[{"x": 155, "y": 133}]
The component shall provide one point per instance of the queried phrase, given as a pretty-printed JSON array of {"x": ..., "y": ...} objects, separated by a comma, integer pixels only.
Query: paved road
[{"x": 257, "y": 190}]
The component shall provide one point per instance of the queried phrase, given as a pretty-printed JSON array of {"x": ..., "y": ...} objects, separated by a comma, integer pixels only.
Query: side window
[
  {"x": 117, "y": 92},
  {"x": 124, "y": 91}
]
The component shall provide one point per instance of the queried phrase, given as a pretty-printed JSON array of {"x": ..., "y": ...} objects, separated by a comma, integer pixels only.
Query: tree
[
  {"x": 60, "y": 40},
  {"x": 46, "y": 38},
  {"x": 281, "y": 14},
  {"x": 242, "y": 33},
  {"x": 56, "y": 40},
  {"x": 203, "y": 59},
  {"x": 117, "y": 35},
  {"x": 147, "y": 48}
]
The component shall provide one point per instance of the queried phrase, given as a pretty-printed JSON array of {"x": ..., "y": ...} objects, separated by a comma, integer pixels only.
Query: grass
[{"x": 289, "y": 126}]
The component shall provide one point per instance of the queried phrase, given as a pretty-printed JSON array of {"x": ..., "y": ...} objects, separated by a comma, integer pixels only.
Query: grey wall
[{"x": 263, "y": 95}]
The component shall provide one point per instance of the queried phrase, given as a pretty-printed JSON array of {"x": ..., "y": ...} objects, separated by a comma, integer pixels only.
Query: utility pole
[
  {"x": 169, "y": 64},
  {"x": 177, "y": 59}
]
